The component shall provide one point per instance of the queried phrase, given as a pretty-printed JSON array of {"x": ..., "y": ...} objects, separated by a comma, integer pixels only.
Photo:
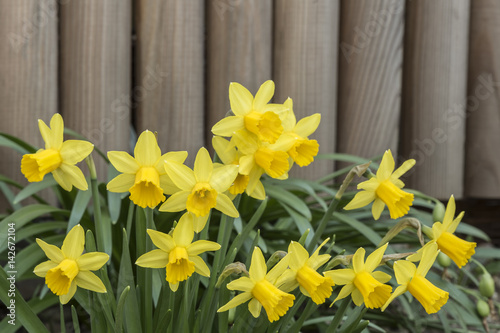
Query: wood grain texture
[
  {"x": 239, "y": 49},
  {"x": 28, "y": 74},
  {"x": 95, "y": 62},
  {"x": 434, "y": 91},
  {"x": 169, "y": 56},
  {"x": 482, "y": 167},
  {"x": 305, "y": 69},
  {"x": 370, "y": 76}
]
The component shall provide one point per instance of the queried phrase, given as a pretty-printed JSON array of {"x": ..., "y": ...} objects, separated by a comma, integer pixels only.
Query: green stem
[
  {"x": 148, "y": 283},
  {"x": 324, "y": 221},
  {"x": 310, "y": 307},
  {"x": 61, "y": 314},
  {"x": 338, "y": 315},
  {"x": 185, "y": 308},
  {"x": 130, "y": 218},
  {"x": 99, "y": 227}
]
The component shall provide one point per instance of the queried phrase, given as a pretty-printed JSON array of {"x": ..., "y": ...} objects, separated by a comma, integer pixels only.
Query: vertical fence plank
[
  {"x": 28, "y": 73},
  {"x": 239, "y": 49},
  {"x": 434, "y": 90},
  {"x": 95, "y": 71},
  {"x": 170, "y": 55},
  {"x": 305, "y": 68},
  {"x": 370, "y": 82},
  {"x": 482, "y": 167}
]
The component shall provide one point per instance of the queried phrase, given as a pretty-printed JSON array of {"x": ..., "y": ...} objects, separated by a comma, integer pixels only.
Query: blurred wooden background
[{"x": 419, "y": 77}]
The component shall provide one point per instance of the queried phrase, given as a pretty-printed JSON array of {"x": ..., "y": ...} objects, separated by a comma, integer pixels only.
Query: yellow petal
[
  {"x": 202, "y": 246},
  {"x": 264, "y": 95},
  {"x": 398, "y": 292},
  {"x": 46, "y": 133},
  {"x": 246, "y": 142},
  {"x": 243, "y": 283},
  {"x": 200, "y": 266},
  {"x": 223, "y": 177},
  {"x": 153, "y": 259},
  {"x": 224, "y": 149},
  {"x": 375, "y": 258},
  {"x": 183, "y": 233},
  {"x": 361, "y": 199},
  {"x": 453, "y": 225},
  {"x": 407, "y": 165},
  {"x": 51, "y": 251},
  {"x": 237, "y": 300},
  {"x": 199, "y": 222},
  {"x": 258, "y": 268},
  {"x": 404, "y": 271},
  {"x": 344, "y": 292},
  {"x": 74, "y": 151},
  {"x": 123, "y": 162},
  {"x": 298, "y": 255},
  {"x": 278, "y": 270},
  {"x": 41, "y": 269},
  {"x": 174, "y": 286},
  {"x": 92, "y": 261},
  {"x": 341, "y": 276},
  {"x": 74, "y": 242},
  {"x": 226, "y": 206},
  {"x": 449, "y": 213},
  {"x": 57, "y": 127},
  {"x": 358, "y": 260},
  {"x": 429, "y": 255},
  {"x": 182, "y": 176},
  {"x": 67, "y": 297},
  {"x": 146, "y": 150},
  {"x": 176, "y": 202},
  {"x": 228, "y": 126},
  {"x": 306, "y": 126},
  {"x": 377, "y": 208},
  {"x": 357, "y": 297},
  {"x": 255, "y": 307},
  {"x": 203, "y": 166},
  {"x": 240, "y": 98},
  {"x": 259, "y": 192},
  {"x": 74, "y": 176},
  {"x": 386, "y": 166},
  {"x": 121, "y": 183},
  {"x": 62, "y": 180},
  {"x": 176, "y": 156},
  {"x": 381, "y": 276},
  {"x": 168, "y": 185},
  {"x": 90, "y": 281},
  {"x": 161, "y": 240}
]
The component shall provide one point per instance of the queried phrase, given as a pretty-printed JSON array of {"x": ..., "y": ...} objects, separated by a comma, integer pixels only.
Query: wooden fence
[{"x": 419, "y": 77}]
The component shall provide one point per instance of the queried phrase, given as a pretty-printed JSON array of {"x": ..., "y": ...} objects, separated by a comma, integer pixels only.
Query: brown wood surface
[
  {"x": 482, "y": 164},
  {"x": 95, "y": 62},
  {"x": 28, "y": 74},
  {"x": 169, "y": 72},
  {"x": 305, "y": 68},
  {"x": 370, "y": 76},
  {"x": 239, "y": 49},
  {"x": 434, "y": 91}
]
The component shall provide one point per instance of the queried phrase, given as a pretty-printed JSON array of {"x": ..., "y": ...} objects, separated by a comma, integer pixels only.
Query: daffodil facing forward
[
  {"x": 201, "y": 189},
  {"x": 361, "y": 281},
  {"x": 59, "y": 157},
  {"x": 303, "y": 274},
  {"x": 385, "y": 189},
  {"x": 261, "y": 289},
  {"x": 252, "y": 114},
  {"x": 412, "y": 279},
  {"x": 67, "y": 268},
  {"x": 178, "y": 254},
  {"x": 144, "y": 176},
  {"x": 457, "y": 249}
]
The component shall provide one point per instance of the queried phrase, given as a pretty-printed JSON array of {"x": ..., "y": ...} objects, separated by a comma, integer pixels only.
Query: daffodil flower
[
  {"x": 228, "y": 154},
  {"x": 303, "y": 274},
  {"x": 361, "y": 281},
  {"x": 178, "y": 254},
  {"x": 58, "y": 157},
  {"x": 385, "y": 189},
  {"x": 261, "y": 289},
  {"x": 412, "y": 279},
  {"x": 252, "y": 114},
  {"x": 201, "y": 189},
  {"x": 67, "y": 268},
  {"x": 144, "y": 176},
  {"x": 457, "y": 249},
  {"x": 302, "y": 150}
]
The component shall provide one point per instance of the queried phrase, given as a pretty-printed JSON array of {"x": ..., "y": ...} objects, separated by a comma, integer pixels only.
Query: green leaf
[
  {"x": 114, "y": 199},
  {"x": 287, "y": 198},
  {"x": 470, "y": 230},
  {"x": 366, "y": 231},
  {"x": 119, "y": 309},
  {"x": 18, "y": 145},
  {"x": 33, "y": 188},
  {"x": 74, "y": 317},
  {"x": 302, "y": 224},
  {"x": 36, "y": 229},
  {"x": 79, "y": 207}
]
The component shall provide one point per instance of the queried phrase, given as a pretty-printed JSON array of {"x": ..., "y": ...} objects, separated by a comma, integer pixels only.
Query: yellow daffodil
[
  {"x": 252, "y": 114},
  {"x": 385, "y": 189},
  {"x": 67, "y": 268},
  {"x": 361, "y": 282},
  {"x": 456, "y": 248},
  {"x": 261, "y": 289},
  {"x": 228, "y": 154},
  {"x": 303, "y": 274},
  {"x": 144, "y": 176},
  {"x": 413, "y": 279},
  {"x": 178, "y": 254},
  {"x": 302, "y": 150},
  {"x": 201, "y": 189},
  {"x": 58, "y": 157}
]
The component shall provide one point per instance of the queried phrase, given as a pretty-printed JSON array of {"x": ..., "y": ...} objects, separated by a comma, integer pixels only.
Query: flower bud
[
  {"x": 487, "y": 285},
  {"x": 438, "y": 212},
  {"x": 483, "y": 309},
  {"x": 443, "y": 260}
]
